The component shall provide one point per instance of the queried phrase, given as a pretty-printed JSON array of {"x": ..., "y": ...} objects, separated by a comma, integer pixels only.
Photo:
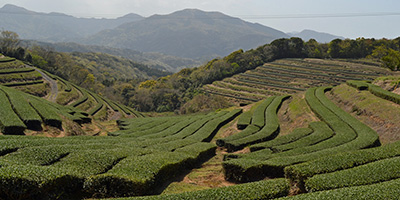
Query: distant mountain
[
  {"x": 155, "y": 60},
  {"x": 319, "y": 36},
  {"x": 55, "y": 27},
  {"x": 188, "y": 33}
]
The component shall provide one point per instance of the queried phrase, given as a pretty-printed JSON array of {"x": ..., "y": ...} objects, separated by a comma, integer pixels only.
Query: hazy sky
[{"x": 348, "y": 18}]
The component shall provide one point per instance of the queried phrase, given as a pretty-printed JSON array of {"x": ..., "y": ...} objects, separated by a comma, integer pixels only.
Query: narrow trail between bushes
[
  {"x": 208, "y": 175},
  {"x": 53, "y": 85}
]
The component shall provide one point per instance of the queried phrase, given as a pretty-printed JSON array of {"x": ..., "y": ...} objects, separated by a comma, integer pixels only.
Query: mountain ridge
[
  {"x": 212, "y": 33},
  {"x": 321, "y": 37},
  {"x": 54, "y": 26}
]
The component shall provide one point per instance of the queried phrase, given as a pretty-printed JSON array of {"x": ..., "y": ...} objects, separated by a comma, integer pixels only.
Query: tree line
[{"x": 180, "y": 92}]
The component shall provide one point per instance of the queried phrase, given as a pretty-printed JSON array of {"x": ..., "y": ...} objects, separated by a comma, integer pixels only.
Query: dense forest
[{"x": 149, "y": 89}]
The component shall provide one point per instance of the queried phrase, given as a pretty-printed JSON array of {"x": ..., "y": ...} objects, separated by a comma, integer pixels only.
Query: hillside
[
  {"x": 331, "y": 155},
  {"x": 188, "y": 33},
  {"x": 154, "y": 60},
  {"x": 55, "y": 27},
  {"x": 290, "y": 76},
  {"x": 65, "y": 106}
]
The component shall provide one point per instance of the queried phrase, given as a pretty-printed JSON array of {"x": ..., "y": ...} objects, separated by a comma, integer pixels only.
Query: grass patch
[{"x": 380, "y": 114}]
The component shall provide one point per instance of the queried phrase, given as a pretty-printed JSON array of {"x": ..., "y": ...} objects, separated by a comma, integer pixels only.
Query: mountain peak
[
  {"x": 307, "y": 34},
  {"x": 132, "y": 16},
  {"x": 13, "y": 8}
]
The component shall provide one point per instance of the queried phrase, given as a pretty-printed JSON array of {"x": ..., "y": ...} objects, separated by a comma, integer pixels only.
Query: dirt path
[{"x": 53, "y": 85}]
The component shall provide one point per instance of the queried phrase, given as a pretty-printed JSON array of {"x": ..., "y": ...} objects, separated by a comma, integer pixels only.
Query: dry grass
[{"x": 379, "y": 114}]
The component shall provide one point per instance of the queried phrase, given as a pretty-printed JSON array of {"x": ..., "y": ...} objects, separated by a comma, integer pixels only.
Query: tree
[
  {"x": 8, "y": 41},
  {"x": 389, "y": 57},
  {"x": 392, "y": 60},
  {"x": 334, "y": 48}
]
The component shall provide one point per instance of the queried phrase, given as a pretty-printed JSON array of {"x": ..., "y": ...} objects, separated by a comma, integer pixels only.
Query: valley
[{"x": 193, "y": 105}]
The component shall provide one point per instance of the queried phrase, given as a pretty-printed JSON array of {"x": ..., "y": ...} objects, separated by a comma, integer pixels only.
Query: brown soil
[{"x": 210, "y": 174}]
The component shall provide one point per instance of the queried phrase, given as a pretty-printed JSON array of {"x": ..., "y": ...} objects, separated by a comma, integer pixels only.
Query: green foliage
[
  {"x": 375, "y": 172},
  {"x": 350, "y": 134},
  {"x": 381, "y": 191},
  {"x": 259, "y": 114},
  {"x": 203, "y": 103},
  {"x": 389, "y": 57},
  {"x": 8, "y": 41},
  {"x": 295, "y": 135},
  {"x": 91, "y": 166},
  {"x": 10, "y": 123},
  {"x": 320, "y": 133},
  {"x": 23, "y": 109},
  {"x": 258, "y": 190},
  {"x": 301, "y": 172},
  {"x": 267, "y": 132},
  {"x": 360, "y": 85},
  {"x": 244, "y": 120}
]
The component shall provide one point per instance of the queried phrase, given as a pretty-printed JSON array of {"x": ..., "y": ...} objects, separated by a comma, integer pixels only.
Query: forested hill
[
  {"x": 55, "y": 27},
  {"x": 188, "y": 33},
  {"x": 178, "y": 90},
  {"x": 151, "y": 59}
]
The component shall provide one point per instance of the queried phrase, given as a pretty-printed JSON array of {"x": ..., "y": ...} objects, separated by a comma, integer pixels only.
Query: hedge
[
  {"x": 321, "y": 132},
  {"x": 141, "y": 175},
  {"x": 341, "y": 161},
  {"x": 10, "y": 123},
  {"x": 244, "y": 120},
  {"x": 378, "y": 191},
  {"x": 268, "y": 132},
  {"x": 297, "y": 174},
  {"x": 48, "y": 113},
  {"x": 264, "y": 163},
  {"x": 360, "y": 85},
  {"x": 375, "y": 90},
  {"x": 82, "y": 99},
  {"x": 268, "y": 189},
  {"x": 16, "y": 70},
  {"x": 258, "y": 118},
  {"x": 375, "y": 172},
  {"x": 249, "y": 130},
  {"x": 295, "y": 135}
]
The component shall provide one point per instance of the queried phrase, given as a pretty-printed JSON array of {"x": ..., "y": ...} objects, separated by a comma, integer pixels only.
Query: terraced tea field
[
  {"x": 20, "y": 111},
  {"x": 14, "y": 73},
  {"x": 288, "y": 76},
  {"x": 144, "y": 154},
  {"x": 336, "y": 156}
]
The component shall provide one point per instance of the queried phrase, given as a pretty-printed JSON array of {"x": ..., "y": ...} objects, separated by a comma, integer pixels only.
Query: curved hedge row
[
  {"x": 299, "y": 173},
  {"x": 244, "y": 120},
  {"x": 21, "y": 111},
  {"x": 350, "y": 134},
  {"x": 282, "y": 140},
  {"x": 47, "y": 168},
  {"x": 375, "y": 90},
  {"x": 321, "y": 132},
  {"x": 250, "y": 135},
  {"x": 378, "y": 191},
  {"x": 375, "y": 172}
]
